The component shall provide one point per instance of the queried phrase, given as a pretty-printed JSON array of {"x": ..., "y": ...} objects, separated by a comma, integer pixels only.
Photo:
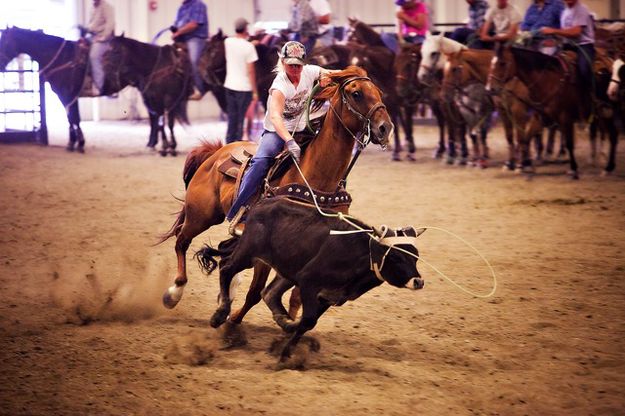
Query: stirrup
[{"x": 232, "y": 227}]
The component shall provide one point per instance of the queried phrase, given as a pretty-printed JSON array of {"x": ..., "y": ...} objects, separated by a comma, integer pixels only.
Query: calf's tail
[{"x": 206, "y": 255}]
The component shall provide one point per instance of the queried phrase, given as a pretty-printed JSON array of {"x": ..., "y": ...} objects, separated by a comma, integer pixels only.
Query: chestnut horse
[{"x": 355, "y": 107}]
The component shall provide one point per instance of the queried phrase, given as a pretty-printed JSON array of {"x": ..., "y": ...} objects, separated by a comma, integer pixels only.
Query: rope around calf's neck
[{"x": 348, "y": 218}]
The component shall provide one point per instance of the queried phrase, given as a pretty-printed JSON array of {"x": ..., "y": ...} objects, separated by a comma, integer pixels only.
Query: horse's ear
[
  {"x": 123, "y": 35},
  {"x": 352, "y": 21}
]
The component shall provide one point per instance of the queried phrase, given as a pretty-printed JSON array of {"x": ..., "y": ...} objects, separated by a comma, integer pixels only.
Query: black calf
[{"x": 329, "y": 269}]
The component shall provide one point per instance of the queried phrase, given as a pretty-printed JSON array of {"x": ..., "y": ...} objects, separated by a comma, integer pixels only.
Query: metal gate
[{"x": 22, "y": 103}]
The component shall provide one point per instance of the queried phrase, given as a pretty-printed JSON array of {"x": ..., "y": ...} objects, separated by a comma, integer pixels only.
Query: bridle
[
  {"x": 430, "y": 70},
  {"x": 365, "y": 131}
]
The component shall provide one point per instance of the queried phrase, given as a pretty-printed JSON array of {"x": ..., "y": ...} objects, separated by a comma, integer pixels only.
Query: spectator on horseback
[
  {"x": 101, "y": 26},
  {"x": 284, "y": 117},
  {"x": 576, "y": 24},
  {"x": 466, "y": 34},
  {"x": 501, "y": 24},
  {"x": 304, "y": 24},
  {"x": 191, "y": 27},
  {"x": 325, "y": 31},
  {"x": 412, "y": 24},
  {"x": 240, "y": 81}
]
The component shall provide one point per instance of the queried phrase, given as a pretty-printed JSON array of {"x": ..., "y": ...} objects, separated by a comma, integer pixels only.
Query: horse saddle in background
[{"x": 568, "y": 61}]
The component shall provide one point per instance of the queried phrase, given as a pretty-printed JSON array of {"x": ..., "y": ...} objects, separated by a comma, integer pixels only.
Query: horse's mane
[
  {"x": 366, "y": 34},
  {"x": 39, "y": 34},
  {"x": 337, "y": 79}
]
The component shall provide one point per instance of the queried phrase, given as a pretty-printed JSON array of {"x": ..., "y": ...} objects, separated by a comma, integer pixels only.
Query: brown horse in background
[
  {"x": 355, "y": 104},
  {"x": 556, "y": 96},
  {"x": 369, "y": 52},
  {"x": 412, "y": 92}
]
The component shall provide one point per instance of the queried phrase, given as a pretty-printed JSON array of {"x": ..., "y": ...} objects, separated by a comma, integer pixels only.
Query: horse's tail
[
  {"x": 179, "y": 112},
  {"x": 196, "y": 157},
  {"x": 206, "y": 255},
  {"x": 173, "y": 231}
]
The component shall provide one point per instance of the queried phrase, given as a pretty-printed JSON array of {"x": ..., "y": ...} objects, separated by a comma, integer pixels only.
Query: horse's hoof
[
  {"x": 396, "y": 157},
  {"x": 236, "y": 317},
  {"x": 173, "y": 153},
  {"x": 163, "y": 153},
  {"x": 461, "y": 162},
  {"x": 573, "y": 174},
  {"x": 81, "y": 150},
  {"x": 218, "y": 318},
  {"x": 168, "y": 301},
  {"x": 449, "y": 160},
  {"x": 69, "y": 148},
  {"x": 508, "y": 166},
  {"x": 410, "y": 157},
  {"x": 482, "y": 164},
  {"x": 411, "y": 148}
]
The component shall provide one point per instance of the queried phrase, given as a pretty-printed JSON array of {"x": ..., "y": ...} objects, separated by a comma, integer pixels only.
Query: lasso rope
[{"x": 348, "y": 218}]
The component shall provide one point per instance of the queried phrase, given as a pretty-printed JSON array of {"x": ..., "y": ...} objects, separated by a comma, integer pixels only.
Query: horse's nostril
[{"x": 383, "y": 128}]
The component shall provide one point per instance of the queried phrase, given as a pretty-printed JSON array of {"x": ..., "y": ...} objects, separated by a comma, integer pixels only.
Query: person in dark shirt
[
  {"x": 191, "y": 27},
  {"x": 477, "y": 11},
  {"x": 542, "y": 13}
]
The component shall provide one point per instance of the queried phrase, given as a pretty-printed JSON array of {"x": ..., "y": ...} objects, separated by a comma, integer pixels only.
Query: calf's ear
[{"x": 420, "y": 231}]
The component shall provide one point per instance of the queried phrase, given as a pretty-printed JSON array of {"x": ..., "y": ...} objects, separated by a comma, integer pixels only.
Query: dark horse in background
[
  {"x": 65, "y": 65},
  {"x": 213, "y": 66},
  {"x": 367, "y": 50},
  {"x": 163, "y": 76}
]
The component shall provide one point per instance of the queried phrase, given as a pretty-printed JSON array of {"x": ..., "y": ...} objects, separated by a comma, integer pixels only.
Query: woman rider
[{"x": 285, "y": 116}]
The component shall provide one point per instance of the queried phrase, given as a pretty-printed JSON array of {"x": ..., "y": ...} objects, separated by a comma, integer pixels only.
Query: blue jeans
[
  {"x": 391, "y": 42},
  {"x": 269, "y": 147},
  {"x": 97, "y": 68},
  {"x": 236, "y": 106},
  {"x": 195, "y": 47}
]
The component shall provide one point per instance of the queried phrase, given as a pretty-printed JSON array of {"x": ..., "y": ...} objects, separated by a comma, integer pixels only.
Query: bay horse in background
[
  {"x": 369, "y": 52},
  {"x": 557, "y": 97},
  {"x": 163, "y": 76},
  {"x": 463, "y": 89},
  {"x": 213, "y": 66},
  {"x": 355, "y": 104},
  {"x": 412, "y": 92}
]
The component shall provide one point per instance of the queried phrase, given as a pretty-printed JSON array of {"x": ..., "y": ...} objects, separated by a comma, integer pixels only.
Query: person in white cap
[
  {"x": 284, "y": 117},
  {"x": 240, "y": 81}
]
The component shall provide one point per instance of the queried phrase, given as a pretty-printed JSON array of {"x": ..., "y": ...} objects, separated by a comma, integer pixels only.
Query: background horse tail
[
  {"x": 206, "y": 255},
  {"x": 196, "y": 157},
  {"x": 179, "y": 112}
]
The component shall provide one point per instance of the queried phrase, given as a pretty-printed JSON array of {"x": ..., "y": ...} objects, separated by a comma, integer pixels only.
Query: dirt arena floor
[{"x": 83, "y": 332}]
